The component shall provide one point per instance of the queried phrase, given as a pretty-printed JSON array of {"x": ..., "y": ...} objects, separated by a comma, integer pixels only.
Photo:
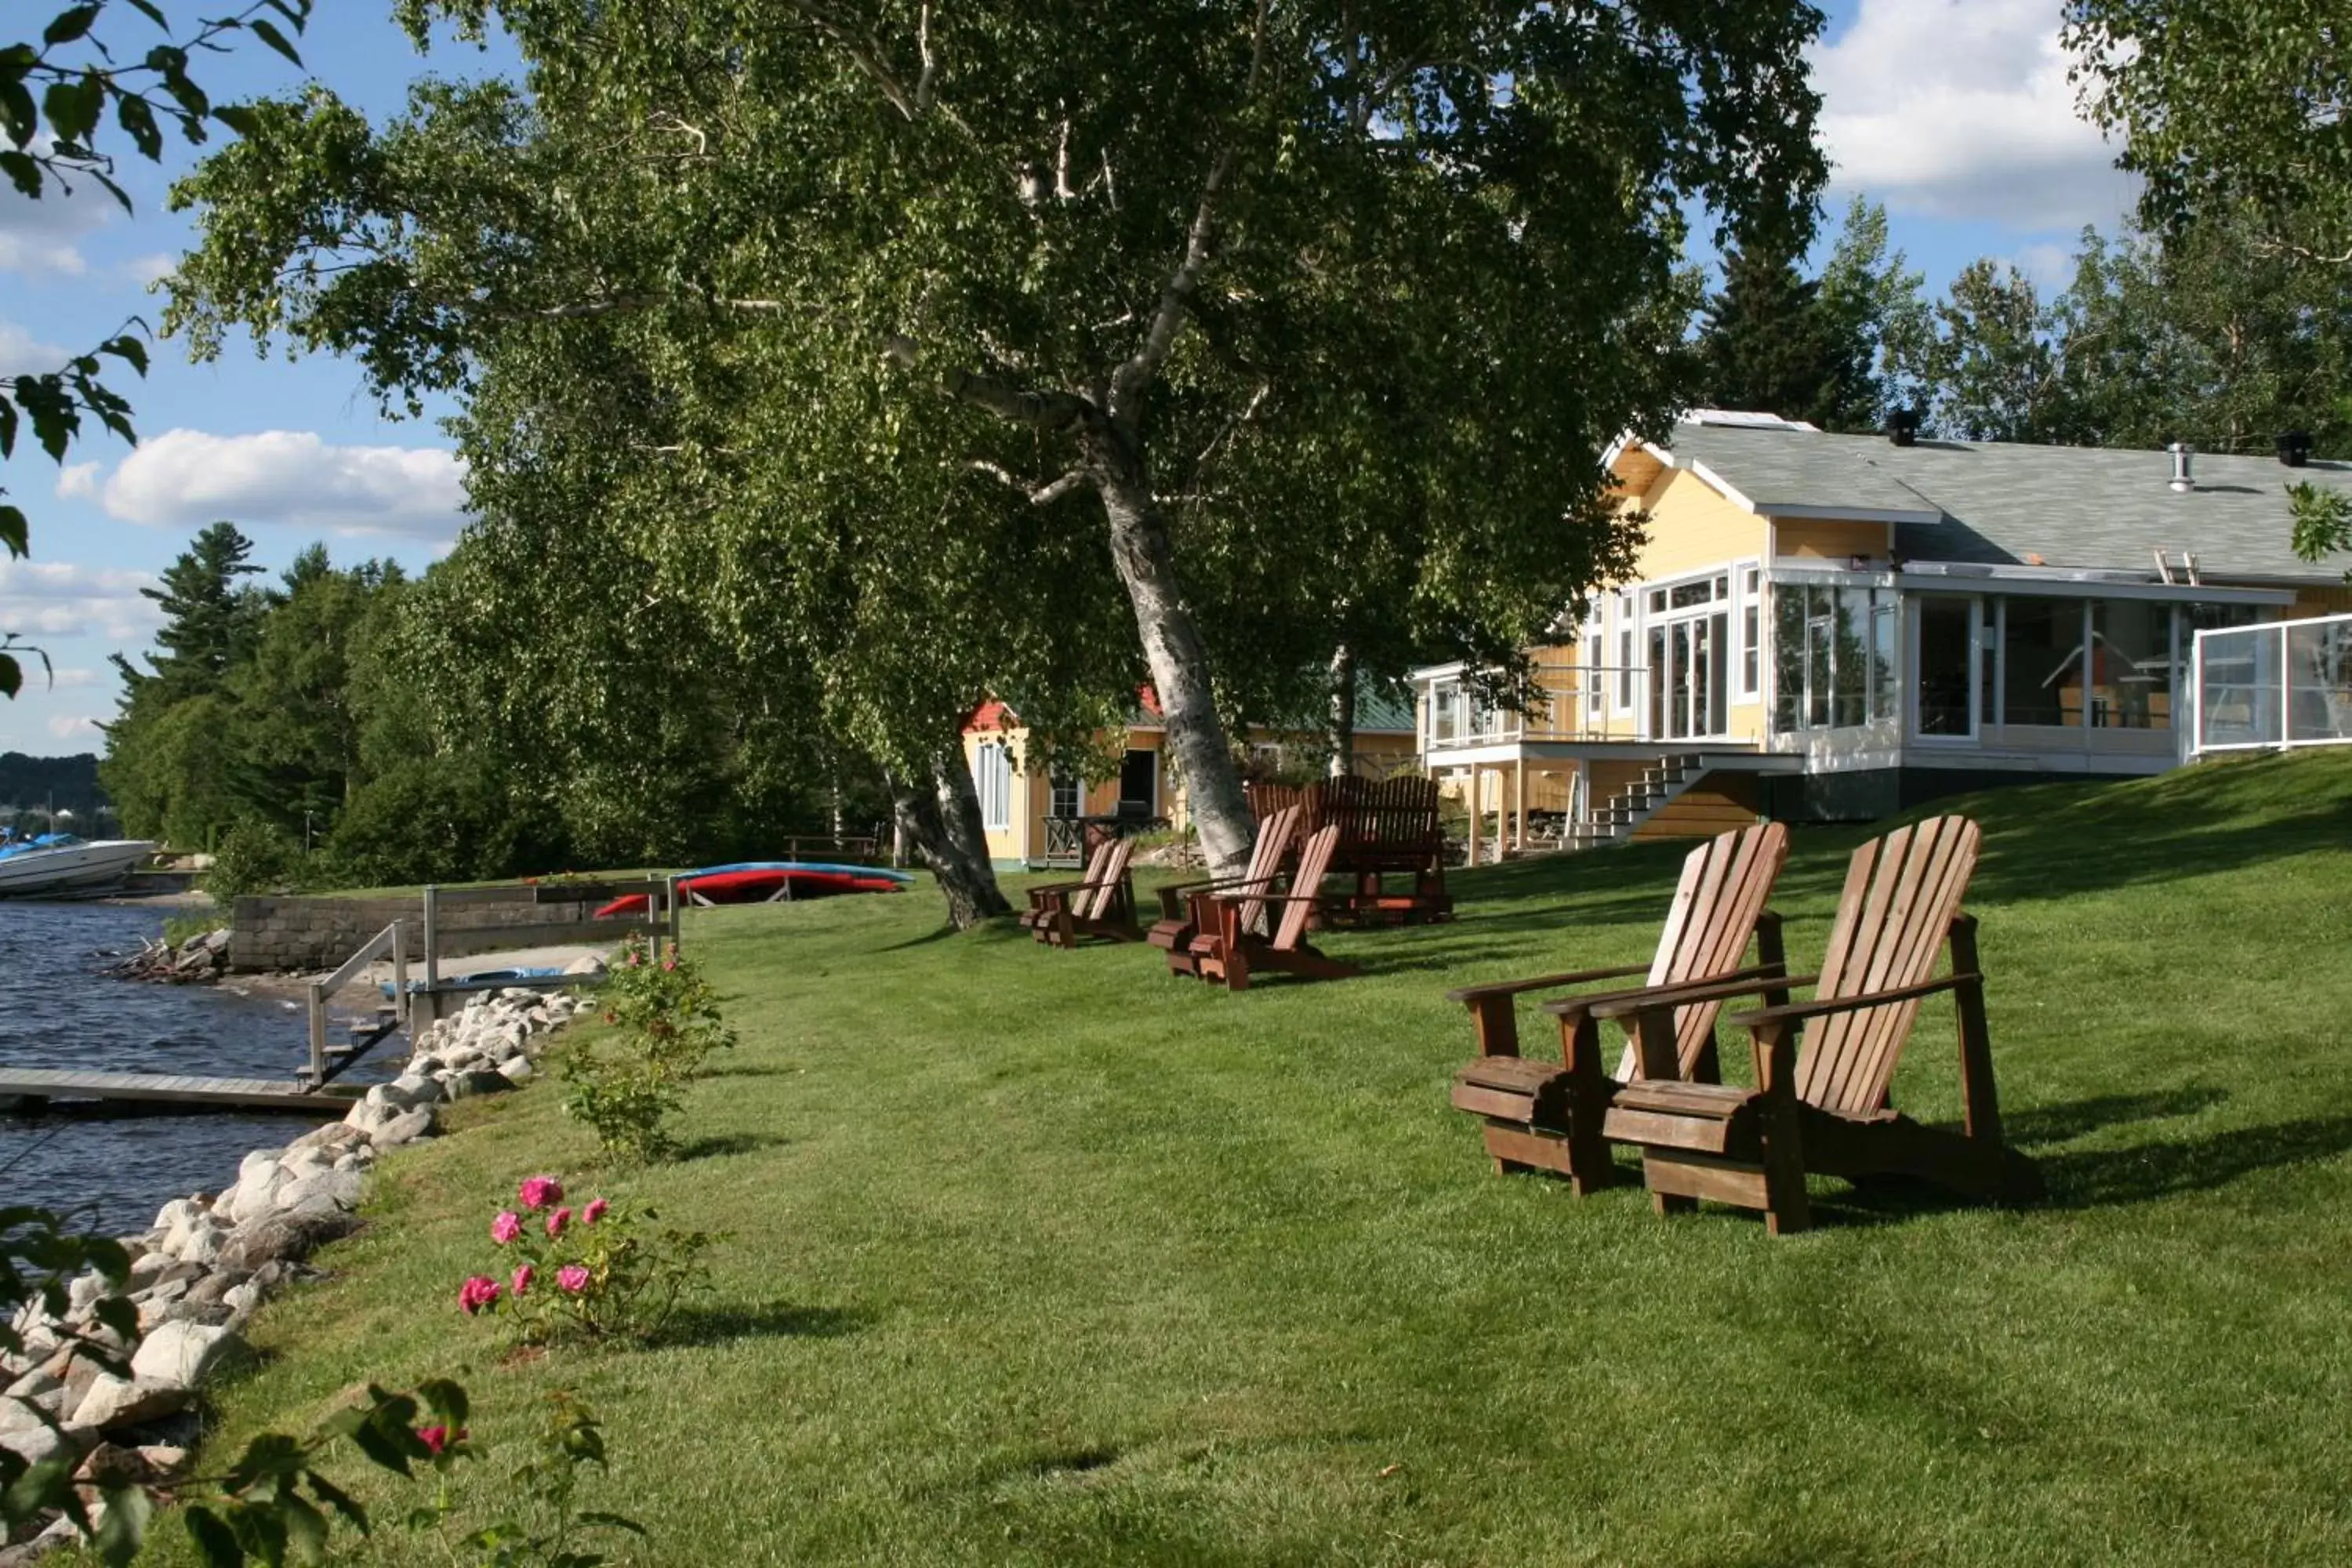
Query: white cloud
[
  {"x": 1945, "y": 108},
  {"x": 78, "y": 481},
  {"x": 58, "y": 599},
  {"x": 2052, "y": 267},
  {"x": 150, "y": 270},
  {"x": 21, "y": 352},
  {"x": 68, "y": 726},
  {"x": 187, "y": 478},
  {"x": 64, "y": 678},
  {"x": 42, "y": 237}
]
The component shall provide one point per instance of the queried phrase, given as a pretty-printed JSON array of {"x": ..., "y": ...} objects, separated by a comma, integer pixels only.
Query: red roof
[{"x": 992, "y": 715}]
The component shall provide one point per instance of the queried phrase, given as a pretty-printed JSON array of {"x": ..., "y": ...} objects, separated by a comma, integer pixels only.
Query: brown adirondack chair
[
  {"x": 1045, "y": 898},
  {"x": 1225, "y": 948},
  {"x": 1546, "y": 1116},
  {"x": 1175, "y": 931},
  {"x": 1824, "y": 1107},
  {"x": 1102, "y": 903}
]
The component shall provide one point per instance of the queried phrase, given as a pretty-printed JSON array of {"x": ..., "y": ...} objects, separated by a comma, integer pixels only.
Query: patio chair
[
  {"x": 1823, "y": 1108},
  {"x": 1101, "y": 903},
  {"x": 1225, "y": 949},
  {"x": 1546, "y": 1116},
  {"x": 1174, "y": 930}
]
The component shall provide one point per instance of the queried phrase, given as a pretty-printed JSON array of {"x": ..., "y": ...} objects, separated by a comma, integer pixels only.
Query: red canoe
[{"x": 756, "y": 887}]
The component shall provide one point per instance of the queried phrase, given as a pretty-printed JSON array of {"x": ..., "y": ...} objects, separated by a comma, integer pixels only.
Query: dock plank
[{"x": 166, "y": 1088}]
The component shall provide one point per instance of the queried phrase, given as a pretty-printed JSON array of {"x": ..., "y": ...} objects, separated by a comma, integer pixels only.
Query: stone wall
[{"x": 293, "y": 932}]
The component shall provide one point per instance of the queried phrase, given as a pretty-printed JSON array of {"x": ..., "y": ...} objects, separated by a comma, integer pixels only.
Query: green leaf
[
  {"x": 74, "y": 105},
  {"x": 239, "y": 117},
  {"x": 216, "y": 1542},
  {"x": 268, "y": 32},
  {"x": 341, "y": 1502},
  {"x": 121, "y": 196},
  {"x": 12, "y": 675},
  {"x": 23, "y": 173},
  {"x": 18, "y": 115},
  {"x": 15, "y": 532},
  {"x": 67, "y": 26},
  {"x": 7, "y": 426},
  {"x": 128, "y": 350},
  {"x": 46, "y": 1485},
  {"x": 120, "y": 1534},
  {"x": 137, "y": 120}
]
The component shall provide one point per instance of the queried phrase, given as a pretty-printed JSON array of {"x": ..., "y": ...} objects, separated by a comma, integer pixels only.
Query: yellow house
[
  {"x": 1034, "y": 817},
  {"x": 1827, "y": 626}
]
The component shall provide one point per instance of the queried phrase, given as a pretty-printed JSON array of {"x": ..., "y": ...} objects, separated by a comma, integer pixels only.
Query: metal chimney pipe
[{"x": 2183, "y": 480}]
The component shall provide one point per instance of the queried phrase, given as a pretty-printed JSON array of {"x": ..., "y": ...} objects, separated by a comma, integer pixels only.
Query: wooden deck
[{"x": 45, "y": 1086}]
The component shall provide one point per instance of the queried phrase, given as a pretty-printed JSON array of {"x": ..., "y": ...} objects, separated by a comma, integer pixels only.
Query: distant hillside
[{"x": 37, "y": 784}]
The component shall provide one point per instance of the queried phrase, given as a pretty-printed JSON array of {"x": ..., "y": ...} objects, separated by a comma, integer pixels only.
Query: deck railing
[
  {"x": 1577, "y": 703},
  {"x": 2282, "y": 684}
]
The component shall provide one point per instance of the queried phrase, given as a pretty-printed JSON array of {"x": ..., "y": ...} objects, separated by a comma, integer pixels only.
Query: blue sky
[{"x": 1953, "y": 112}]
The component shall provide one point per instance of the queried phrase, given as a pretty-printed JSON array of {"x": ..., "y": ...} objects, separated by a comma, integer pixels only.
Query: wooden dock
[{"x": 37, "y": 1089}]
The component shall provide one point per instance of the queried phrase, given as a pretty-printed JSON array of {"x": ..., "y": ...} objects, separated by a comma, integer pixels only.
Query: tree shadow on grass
[
  {"x": 729, "y": 1143},
  {"x": 2035, "y": 1126},
  {"x": 775, "y": 1320}
]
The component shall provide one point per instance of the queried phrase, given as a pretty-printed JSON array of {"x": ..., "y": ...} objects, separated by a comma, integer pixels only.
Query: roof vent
[
  {"x": 2295, "y": 449},
  {"x": 2183, "y": 480},
  {"x": 1903, "y": 427}
]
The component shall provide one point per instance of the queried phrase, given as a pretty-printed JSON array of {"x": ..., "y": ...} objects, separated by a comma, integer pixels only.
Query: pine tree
[
  {"x": 1771, "y": 343},
  {"x": 211, "y": 621}
]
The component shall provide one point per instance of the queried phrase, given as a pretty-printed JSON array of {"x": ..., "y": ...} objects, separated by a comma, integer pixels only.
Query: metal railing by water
[{"x": 2280, "y": 684}]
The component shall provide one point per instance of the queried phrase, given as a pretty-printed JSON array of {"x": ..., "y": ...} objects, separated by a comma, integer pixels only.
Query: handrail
[
  {"x": 1562, "y": 712},
  {"x": 391, "y": 937}
]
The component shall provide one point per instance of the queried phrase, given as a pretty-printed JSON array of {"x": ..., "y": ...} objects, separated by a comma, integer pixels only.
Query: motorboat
[{"x": 61, "y": 863}]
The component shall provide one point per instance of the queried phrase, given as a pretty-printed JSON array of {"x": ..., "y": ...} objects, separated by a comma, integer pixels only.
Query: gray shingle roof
[{"x": 1998, "y": 503}]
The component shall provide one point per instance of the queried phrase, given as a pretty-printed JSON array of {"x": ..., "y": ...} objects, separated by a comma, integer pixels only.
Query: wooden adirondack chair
[
  {"x": 1225, "y": 948},
  {"x": 1048, "y": 896},
  {"x": 1175, "y": 931},
  {"x": 1100, "y": 904},
  {"x": 1824, "y": 1107},
  {"x": 1546, "y": 1116}
]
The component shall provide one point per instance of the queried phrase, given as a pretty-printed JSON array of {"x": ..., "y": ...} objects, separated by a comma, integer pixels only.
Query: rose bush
[
  {"x": 603, "y": 1270},
  {"x": 665, "y": 1023}
]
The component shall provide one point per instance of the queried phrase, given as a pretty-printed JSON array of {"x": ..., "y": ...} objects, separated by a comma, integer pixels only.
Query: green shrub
[
  {"x": 665, "y": 1023},
  {"x": 252, "y": 858}
]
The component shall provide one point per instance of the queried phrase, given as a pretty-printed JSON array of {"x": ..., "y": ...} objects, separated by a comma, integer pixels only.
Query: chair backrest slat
[
  {"x": 1097, "y": 902},
  {"x": 1724, "y": 885},
  {"x": 1274, "y": 836},
  {"x": 1314, "y": 861},
  {"x": 1092, "y": 875},
  {"x": 1901, "y": 895}
]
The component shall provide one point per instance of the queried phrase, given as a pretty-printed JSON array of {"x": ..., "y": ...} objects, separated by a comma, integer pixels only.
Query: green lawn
[{"x": 1042, "y": 1256}]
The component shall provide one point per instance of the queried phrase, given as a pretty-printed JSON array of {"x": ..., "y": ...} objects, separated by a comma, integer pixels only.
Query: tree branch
[
  {"x": 1052, "y": 411},
  {"x": 1037, "y": 495}
]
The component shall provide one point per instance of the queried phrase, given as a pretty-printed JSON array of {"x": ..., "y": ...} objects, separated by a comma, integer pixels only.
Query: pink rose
[
  {"x": 523, "y": 1279},
  {"x": 594, "y": 1212},
  {"x": 572, "y": 1278},
  {"x": 556, "y": 1222},
  {"x": 477, "y": 1293},
  {"x": 440, "y": 1437},
  {"x": 506, "y": 1227},
  {"x": 538, "y": 1192}
]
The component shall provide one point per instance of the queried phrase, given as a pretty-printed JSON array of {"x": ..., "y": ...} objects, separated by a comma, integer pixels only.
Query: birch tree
[{"x": 1141, "y": 252}]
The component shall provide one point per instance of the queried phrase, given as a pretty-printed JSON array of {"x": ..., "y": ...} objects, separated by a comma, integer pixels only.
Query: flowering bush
[
  {"x": 665, "y": 1023},
  {"x": 601, "y": 1270}
]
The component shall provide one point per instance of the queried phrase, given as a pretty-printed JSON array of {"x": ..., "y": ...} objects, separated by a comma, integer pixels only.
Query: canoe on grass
[{"x": 759, "y": 881}]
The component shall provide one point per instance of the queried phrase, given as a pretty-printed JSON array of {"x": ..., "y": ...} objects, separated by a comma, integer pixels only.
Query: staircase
[{"x": 1614, "y": 818}]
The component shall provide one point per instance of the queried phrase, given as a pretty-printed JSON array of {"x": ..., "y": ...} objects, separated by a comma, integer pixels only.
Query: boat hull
[{"x": 72, "y": 868}]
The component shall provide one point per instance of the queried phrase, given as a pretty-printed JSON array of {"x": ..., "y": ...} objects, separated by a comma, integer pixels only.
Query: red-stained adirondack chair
[
  {"x": 1225, "y": 948},
  {"x": 1174, "y": 930},
  {"x": 1101, "y": 903},
  {"x": 1823, "y": 1107},
  {"x": 1546, "y": 1116}
]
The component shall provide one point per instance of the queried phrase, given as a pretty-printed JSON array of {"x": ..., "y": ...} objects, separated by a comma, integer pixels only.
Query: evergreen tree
[
  {"x": 1771, "y": 342},
  {"x": 210, "y": 619}
]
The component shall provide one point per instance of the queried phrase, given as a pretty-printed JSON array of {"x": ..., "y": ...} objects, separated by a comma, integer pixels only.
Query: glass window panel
[
  {"x": 2130, "y": 665},
  {"x": 1886, "y": 695},
  {"x": 1821, "y": 624},
  {"x": 1716, "y": 684},
  {"x": 1065, "y": 794},
  {"x": 1751, "y": 655},
  {"x": 1625, "y": 671},
  {"x": 2238, "y": 696},
  {"x": 2041, "y": 659},
  {"x": 1788, "y": 658},
  {"x": 2319, "y": 683},
  {"x": 1943, "y": 665},
  {"x": 1657, "y": 680},
  {"x": 1850, "y": 659},
  {"x": 1657, "y": 598},
  {"x": 1688, "y": 594},
  {"x": 1723, "y": 587}
]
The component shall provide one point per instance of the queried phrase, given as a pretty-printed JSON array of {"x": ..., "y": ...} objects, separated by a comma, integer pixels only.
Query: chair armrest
[
  {"x": 1037, "y": 887},
  {"x": 1469, "y": 994},
  {"x": 1796, "y": 1012},
  {"x": 1625, "y": 1004}
]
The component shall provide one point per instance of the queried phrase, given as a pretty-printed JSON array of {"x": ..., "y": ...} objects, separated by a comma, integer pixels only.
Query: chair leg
[
  {"x": 1589, "y": 1169},
  {"x": 1665, "y": 1204},
  {"x": 1786, "y": 1209}
]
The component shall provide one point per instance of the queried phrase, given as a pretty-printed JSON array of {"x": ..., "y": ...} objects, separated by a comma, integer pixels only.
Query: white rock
[
  {"x": 259, "y": 1160},
  {"x": 182, "y": 1353},
  {"x": 257, "y": 1195},
  {"x": 113, "y": 1400},
  {"x": 176, "y": 1213},
  {"x": 340, "y": 1188},
  {"x": 517, "y": 1070},
  {"x": 406, "y": 1128}
]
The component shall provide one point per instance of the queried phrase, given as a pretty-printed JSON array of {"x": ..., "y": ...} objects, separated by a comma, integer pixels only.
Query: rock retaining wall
[
  {"x": 295, "y": 932},
  {"x": 210, "y": 1260}
]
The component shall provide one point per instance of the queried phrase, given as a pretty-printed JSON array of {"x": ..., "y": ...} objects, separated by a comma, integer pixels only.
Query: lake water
[{"x": 57, "y": 1011}]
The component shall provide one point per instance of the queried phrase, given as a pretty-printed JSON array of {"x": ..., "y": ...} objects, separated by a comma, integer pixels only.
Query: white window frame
[
  {"x": 1596, "y": 657},
  {"x": 1622, "y": 697},
  {"x": 1748, "y": 599},
  {"x": 991, "y": 778}
]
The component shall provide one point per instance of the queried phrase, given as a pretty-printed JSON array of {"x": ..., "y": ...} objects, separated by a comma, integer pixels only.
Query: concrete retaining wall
[{"x": 290, "y": 933}]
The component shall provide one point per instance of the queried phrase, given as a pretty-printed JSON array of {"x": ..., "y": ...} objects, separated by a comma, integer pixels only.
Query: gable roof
[{"x": 1998, "y": 503}]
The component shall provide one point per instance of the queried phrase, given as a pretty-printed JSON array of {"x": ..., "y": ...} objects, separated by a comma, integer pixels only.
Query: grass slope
[{"x": 1048, "y": 1257}]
